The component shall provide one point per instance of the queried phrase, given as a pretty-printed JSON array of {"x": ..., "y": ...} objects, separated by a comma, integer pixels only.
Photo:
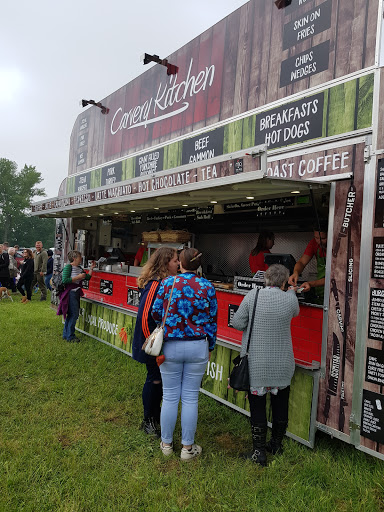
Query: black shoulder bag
[{"x": 239, "y": 378}]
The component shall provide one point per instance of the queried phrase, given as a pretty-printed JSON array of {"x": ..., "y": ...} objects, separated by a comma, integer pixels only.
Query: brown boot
[{"x": 24, "y": 298}]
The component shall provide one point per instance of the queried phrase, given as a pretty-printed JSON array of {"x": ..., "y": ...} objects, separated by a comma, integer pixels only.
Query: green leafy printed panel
[
  {"x": 107, "y": 324},
  {"x": 215, "y": 381}
]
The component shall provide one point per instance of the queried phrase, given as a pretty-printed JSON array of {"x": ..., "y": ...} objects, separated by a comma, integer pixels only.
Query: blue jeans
[
  {"x": 72, "y": 316},
  {"x": 181, "y": 373},
  {"x": 47, "y": 281}
]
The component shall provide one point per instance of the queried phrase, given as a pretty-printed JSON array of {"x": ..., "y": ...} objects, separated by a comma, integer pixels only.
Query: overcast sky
[{"x": 54, "y": 54}]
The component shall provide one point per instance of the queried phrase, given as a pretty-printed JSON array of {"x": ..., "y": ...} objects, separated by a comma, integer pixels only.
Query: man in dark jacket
[
  {"x": 40, "y": 270},
  {"x": 4, "y": 268}
]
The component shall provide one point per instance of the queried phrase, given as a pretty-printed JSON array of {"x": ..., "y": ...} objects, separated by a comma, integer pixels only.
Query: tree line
[{"x": 17, "y": 190}]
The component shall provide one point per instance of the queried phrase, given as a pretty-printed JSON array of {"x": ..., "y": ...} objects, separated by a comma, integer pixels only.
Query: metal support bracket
[{"x": 354, "y": 424}]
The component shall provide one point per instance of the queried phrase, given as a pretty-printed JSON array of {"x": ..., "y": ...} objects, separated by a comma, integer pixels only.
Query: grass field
[{"x": 69, "y": 440}]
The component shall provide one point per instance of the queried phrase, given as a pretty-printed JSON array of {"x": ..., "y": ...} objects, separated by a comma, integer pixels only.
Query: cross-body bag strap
[
  {"x": 169, "y": 301},
  {"x": 253, "y": 319}
]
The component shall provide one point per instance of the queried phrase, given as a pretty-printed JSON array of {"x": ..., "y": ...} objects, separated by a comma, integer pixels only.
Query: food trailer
[{"x": 272, "y": 121}]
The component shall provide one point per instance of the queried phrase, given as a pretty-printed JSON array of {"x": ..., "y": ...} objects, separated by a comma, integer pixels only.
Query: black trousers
[
  {"x": 279, "y": 404},
  {"x": 27, "y": 282}
]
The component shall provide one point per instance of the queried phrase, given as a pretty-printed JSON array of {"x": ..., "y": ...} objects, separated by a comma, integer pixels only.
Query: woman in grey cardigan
[{"x": 270, "y": 360}]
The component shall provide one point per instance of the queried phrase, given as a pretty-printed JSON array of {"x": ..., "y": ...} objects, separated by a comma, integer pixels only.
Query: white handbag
[{"x": 154, "y": 343}]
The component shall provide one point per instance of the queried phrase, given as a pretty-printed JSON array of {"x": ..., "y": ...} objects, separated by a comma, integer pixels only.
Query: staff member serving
[{"x": 316, "y": 247}]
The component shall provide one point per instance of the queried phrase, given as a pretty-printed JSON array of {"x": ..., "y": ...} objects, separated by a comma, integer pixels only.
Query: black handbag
[{"x": 239, "y": 378}]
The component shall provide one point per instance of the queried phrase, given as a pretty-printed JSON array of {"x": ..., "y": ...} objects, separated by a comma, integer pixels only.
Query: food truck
[{"x": 269, "y": 120}]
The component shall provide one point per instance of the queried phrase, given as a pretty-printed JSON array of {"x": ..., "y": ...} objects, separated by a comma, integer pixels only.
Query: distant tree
[
  {"x": 28, "y": 230},
  {"x": 17, "y": 189}
]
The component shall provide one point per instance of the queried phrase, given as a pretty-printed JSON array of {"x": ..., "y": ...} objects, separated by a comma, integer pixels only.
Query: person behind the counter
[
  {"x": 141, "y": 256},
  {"x": 265, "y": 242},
  {"x": 316, "y": 247}
]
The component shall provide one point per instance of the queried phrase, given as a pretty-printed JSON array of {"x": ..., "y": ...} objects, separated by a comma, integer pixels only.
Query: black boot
[
  {"x": 275, "y": 445},
  {"x": 151, "y": 427},
  {"x": 259, "y": 434}
]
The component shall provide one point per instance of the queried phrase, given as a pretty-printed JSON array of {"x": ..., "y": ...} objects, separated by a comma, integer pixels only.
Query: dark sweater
[{"x": 27, "y": 269}]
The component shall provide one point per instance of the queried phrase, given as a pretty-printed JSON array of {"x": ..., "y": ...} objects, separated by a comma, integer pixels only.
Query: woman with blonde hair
[{"x": 163, "y": 263}]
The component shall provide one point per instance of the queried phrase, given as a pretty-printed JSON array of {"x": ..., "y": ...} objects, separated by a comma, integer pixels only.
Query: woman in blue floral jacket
[{"x": 189, "y": 336}]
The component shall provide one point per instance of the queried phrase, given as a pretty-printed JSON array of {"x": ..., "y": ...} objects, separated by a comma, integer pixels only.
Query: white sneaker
[
  {"x": 167, "y": 450},
  {"x": 193, "y": 452}
]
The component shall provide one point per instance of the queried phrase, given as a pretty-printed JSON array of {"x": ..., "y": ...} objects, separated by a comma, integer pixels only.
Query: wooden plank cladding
[{"x": 255, "y": 56}]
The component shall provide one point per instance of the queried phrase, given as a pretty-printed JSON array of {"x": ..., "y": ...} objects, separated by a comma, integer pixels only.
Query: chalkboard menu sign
[
  {"x": 291, "y": 123},
  {"x": 136, "y": 219},
  {"x": 238, "y": 165},
  {"x": 133, "y": 297},
  {"x": 83, "y": 182},
  {"x": 264, "y": 207},
  {"x": 305, "y": 64},
  {"x": 204, "y": 146},
  {"x": 106, "y": 287},
  {"x": 374, "y": 371},
  {"x": 308, "y": 25},
  {"x": 232, "y": 308},
  {"x": 149, "y": 163},
  {"x": 378, "y": 258},
  {"x": 82, "y": 140},
  {"x": 111, "y": 174},
  {"x": 376, "y": 315},
  {"x": 372, "y": 421},
  {"x": 379, "y": 209},
  {"x": 82, "y": 158}
]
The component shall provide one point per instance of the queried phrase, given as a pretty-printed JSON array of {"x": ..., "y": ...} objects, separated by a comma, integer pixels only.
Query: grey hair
[{"x": 276, "y": 275}]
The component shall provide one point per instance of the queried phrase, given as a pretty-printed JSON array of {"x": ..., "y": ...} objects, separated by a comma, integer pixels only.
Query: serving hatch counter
[{"x": 120, "y": 290}]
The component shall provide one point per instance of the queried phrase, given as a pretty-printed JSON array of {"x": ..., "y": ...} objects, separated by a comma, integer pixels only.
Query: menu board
[
  {"x": 264, "y": 207},
  {"x": 378, "y": 258},
  {"x": 83, "y": 182},
  {"x": 111, "y": 174},
  {"x": 106, "y": 287},
  {"x": 376, "y": 315},
  {"x": 379, "y": 209},
  {"x": 204, "y": 146},
  {"x": 374, "y": 371},
  {"x": 291, "y": 123},
  {"x": 149, "y": 163},
  {"x": 372, "y": 421}
]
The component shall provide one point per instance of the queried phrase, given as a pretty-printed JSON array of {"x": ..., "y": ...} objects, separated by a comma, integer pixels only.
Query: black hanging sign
[
  {"x": 232, "y": 308},
  {"x": 374, "y": 370},
  {"x": 378, "y": 258},
  {"x": 372, "y": 420},
  {"x": 376, "y": 315},
  {"x": 379, "y": 209}
]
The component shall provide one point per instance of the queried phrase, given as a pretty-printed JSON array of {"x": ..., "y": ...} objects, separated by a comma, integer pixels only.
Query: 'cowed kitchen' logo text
[{"x": 169, "y": 94}]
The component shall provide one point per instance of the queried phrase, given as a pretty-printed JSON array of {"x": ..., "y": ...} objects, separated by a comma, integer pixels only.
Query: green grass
[{"x": 69, "y": 440}]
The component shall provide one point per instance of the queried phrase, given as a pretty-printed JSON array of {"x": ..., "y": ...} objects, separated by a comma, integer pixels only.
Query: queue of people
[
  {"x": 35, "y": 269},
  {"x": 172, "y": 293}
]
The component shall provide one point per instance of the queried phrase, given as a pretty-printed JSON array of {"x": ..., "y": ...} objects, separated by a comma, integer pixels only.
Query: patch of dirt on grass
[
  {"x": 228, "y": 442},
  {"x": 64, "y": 441},
  {"x": 113, "y": 419}
]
